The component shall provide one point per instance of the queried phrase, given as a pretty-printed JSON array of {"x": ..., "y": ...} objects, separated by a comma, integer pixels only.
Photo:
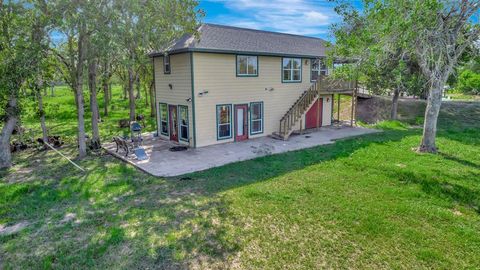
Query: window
[
  {"x": 164, "y": 119},
  {"x": 247, "y": 65},
  {"x": 166, "y": 64},
  {"x": 317, "y": 67},
  {"x": 183, "y": 119},
  {"x": 256, "y": 117},
  {"x": 291, "y": 70},
  {"x": 224, "y": 121}
]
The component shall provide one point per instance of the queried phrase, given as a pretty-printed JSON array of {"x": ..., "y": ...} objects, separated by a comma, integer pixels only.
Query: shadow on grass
[
  {"x": 260, "y": 169},
  {"x": 440, "y": 188},
  {"x": 460, "y": 161}
]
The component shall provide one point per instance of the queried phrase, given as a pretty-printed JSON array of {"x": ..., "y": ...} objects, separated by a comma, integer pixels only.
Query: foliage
[{"x": 469, "y": 82}]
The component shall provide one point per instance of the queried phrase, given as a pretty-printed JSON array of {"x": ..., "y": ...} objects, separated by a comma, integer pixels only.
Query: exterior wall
[
  {"x": 180, "y": 78},
  {"x": 216, "y": 73}
]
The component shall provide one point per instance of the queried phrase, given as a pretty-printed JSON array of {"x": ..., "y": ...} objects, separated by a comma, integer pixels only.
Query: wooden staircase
[{"x": 322, "y": 86}]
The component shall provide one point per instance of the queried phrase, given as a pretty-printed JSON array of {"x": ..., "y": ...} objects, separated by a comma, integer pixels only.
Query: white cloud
[{"x": 303, "y": 17}]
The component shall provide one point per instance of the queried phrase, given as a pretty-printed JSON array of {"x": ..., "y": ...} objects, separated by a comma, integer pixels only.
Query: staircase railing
[{"x": 322, "y": 85}]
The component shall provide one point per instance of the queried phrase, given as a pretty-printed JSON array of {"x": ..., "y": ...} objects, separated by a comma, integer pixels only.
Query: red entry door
[
  {"x": 241, "y": 122},
  {"x": 313, "y": 118},
  {"x": 172, "y": 109}
]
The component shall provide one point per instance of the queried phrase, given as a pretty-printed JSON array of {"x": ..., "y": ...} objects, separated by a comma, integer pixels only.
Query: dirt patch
[
  {"x": 9, "y": 230},
  {"x": 378, "y": 109}
]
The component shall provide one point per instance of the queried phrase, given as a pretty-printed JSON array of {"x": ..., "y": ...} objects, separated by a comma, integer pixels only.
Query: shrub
[{"x": 469, "y": 82}]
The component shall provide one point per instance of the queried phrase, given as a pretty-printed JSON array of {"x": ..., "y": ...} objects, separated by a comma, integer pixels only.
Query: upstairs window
[
  {"x": 166, "y": 64},
  {"x": 291, "y": 70},
  {"x": 318, "y": 67},
  {"x": 247, "y": 66}
]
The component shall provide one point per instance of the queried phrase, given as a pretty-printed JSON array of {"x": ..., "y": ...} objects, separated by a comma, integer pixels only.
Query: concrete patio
[{"x": 163, "y": 162}]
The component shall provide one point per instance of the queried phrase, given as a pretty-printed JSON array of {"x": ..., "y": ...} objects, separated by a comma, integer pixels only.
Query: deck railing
[{"x": 323, "y": 85}]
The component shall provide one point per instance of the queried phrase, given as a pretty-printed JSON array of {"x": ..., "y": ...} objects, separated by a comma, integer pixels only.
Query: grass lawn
[{"x": 367, "y": 202}]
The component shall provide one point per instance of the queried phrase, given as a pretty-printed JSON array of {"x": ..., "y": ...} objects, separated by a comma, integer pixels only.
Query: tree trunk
[
  {"x": 82, "y": 146},
  {"x": 131, "y": 94},
  {"x": 11, "y": 121},
  {"x": 152, "y": 100},
  {"x": 92, "y": 85},
  {"x": 42, "y": 119},
  {"x": 137, "y": 85},
  {"x": 145, "y": 87},
  {"x": 431, "y": 115},
  {"x": 396, "y": 94},
  {"x": 125, "y": 90},
  {"x": 106, "y": 98}
]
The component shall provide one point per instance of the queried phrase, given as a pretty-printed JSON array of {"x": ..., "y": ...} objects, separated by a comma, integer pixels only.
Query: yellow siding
[
  {"x": 216, "y": 74},
  {"x": 180, "y": 78}
]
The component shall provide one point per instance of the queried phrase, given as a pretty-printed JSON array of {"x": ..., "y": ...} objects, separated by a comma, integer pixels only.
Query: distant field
[
  {"x": 459, "y": 96},
  {"x": 61, "y": 114}
]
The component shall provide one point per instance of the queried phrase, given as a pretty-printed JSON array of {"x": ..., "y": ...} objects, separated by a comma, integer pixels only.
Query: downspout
[
  {"x": 193, "y": 101},
  {"x": 155, "y": 98}
]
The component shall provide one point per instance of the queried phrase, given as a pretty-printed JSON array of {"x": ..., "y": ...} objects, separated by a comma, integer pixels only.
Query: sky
[{"x": 302, "y": 17}]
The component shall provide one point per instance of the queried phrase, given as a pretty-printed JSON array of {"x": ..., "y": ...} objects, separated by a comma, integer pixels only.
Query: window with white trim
[
  {"x": 256, "y": 117},
  {"x": 247, "y": 65},
  {"x": 224, "y": 121},
  {"x": 183, "y": 121},
  {"x": 163, "y": 118},
  {"x": 166, "y": 64},
  {"x": 318, "y": 67},
  {"x": 291, "y": 70}
]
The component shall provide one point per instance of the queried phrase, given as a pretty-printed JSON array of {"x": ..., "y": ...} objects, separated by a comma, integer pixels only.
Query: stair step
[{"x": 277, "y": 136}]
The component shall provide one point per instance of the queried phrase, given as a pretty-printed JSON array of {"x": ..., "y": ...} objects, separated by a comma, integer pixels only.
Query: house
[{"x": 229, "y": 84}]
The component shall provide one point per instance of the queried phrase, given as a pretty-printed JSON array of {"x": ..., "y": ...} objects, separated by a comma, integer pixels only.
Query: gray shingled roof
[{"x": 228, "y": 39}]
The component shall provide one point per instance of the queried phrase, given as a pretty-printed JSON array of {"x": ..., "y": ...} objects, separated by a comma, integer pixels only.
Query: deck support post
[{"x": 338, "y": 108}]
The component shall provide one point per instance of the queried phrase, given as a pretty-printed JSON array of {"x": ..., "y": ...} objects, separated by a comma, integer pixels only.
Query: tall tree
[
  {"x": 78, "y": 21},
  {"x": 440, "y": 33},
  {"x": 434, "y": 32},
  {"x": 143, "y": 26},
  {"x": 22, "y": 45}
]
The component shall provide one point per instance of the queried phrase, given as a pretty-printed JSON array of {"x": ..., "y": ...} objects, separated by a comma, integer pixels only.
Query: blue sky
[{"x": 302, "y": 17}]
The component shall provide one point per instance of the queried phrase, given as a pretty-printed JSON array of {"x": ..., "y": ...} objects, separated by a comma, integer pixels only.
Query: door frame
[
  {"x": 318, "y": 109},
  {"x": 173, "y": 136},
  {"x": 245, "y": 122}
]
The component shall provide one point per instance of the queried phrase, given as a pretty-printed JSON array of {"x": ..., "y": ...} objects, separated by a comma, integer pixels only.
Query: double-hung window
[
  {"x": 247, "y": 65},
  {"x": 224, "y": 121},
  {"x": 318, "y": 68},
  {"x": 256, "y": 118},
  {"x": 183, "y": 121},
  {"x": 164, "y": 119},
  {"x": 166, "y": 64},
  {"x": 291, "y": 70}
]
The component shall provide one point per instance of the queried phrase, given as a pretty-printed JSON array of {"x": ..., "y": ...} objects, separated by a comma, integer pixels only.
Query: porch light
[
  {"x": 188, "y": 100},
  {"x": 170, "y": 86},
  {"x": 202, "y": 93}
]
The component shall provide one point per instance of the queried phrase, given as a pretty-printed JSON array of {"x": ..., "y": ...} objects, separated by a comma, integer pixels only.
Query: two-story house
[{"x": 231, "y": 84}]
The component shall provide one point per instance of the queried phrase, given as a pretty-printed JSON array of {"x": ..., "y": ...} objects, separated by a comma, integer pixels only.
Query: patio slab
[{"x": 163, "y": 162}]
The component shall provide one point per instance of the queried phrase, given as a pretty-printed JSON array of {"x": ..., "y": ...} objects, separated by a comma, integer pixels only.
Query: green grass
[
  {"x": 60, "y": 112},
  {"x": 363, "y": 203},
  {"x": 465, "y": 97}
]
